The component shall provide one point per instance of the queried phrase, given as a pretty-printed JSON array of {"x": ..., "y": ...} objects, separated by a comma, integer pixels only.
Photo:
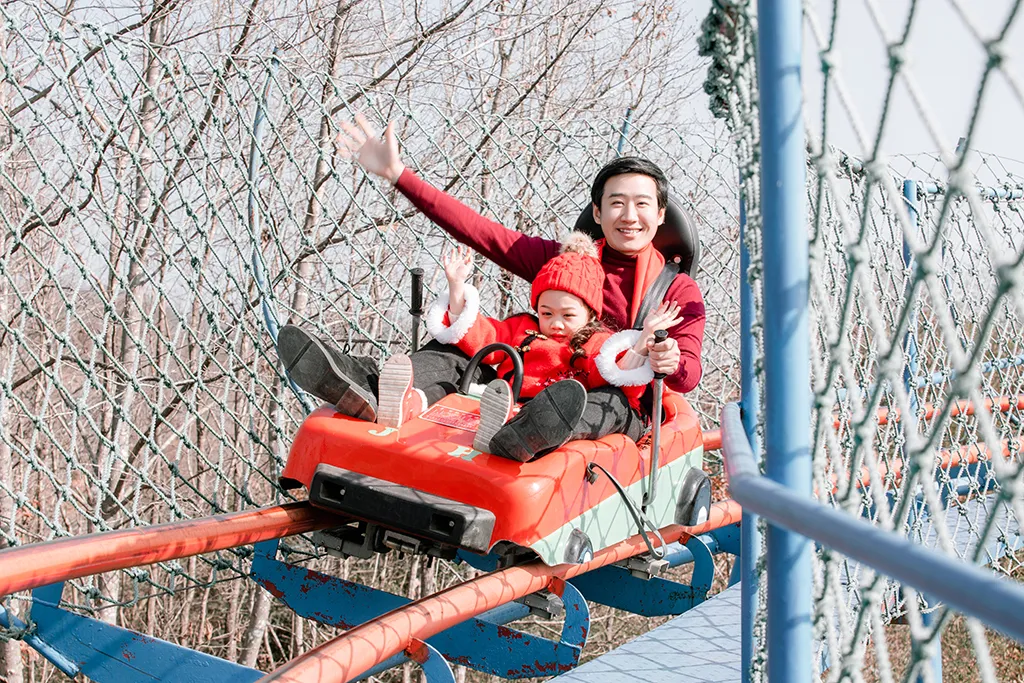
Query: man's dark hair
[{"x": 624, "y": 165}]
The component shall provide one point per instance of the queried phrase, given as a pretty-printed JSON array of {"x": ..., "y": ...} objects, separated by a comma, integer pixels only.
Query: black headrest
[{"x": 677, "y": 236}]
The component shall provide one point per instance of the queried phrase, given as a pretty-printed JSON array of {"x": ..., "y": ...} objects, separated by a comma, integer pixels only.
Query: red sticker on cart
[{"x": 452, "y": 417}]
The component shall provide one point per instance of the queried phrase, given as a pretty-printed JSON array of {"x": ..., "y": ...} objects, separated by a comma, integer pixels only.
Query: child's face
[{"x": 561, "y": 314}]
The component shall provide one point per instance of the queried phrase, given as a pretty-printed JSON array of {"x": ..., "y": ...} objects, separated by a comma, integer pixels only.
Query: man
[{"x": 629, "y": 197}]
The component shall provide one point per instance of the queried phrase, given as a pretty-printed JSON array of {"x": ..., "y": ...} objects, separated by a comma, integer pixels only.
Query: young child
[{"x": 565, "y": 348}]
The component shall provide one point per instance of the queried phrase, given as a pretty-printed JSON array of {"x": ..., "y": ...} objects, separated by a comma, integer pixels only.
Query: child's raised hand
[
  {"x": 663, "y": 317},
  {"x": 458, "y": 264}
]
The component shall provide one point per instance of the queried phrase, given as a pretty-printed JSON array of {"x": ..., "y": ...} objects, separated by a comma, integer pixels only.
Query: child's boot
[
  {"x": 546, "y": 422},
  {"x": 400, "y": 401},
  {"x": 495, "y": 410}
]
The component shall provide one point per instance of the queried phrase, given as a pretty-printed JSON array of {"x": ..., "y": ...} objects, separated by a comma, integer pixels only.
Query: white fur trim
[
  {"x": 452, "y": 334},
  {"x": 609, "y": 369}
]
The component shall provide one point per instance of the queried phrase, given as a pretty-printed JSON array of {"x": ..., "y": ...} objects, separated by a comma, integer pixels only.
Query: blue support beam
[
  {"x": 786, "y": 332},
  {"x": 109, "y": 653},
  {"x": 32, "y": 637},
  {"x": 614, "y": 586},
  {"x": 435, "y": 666},
  {"x": 750, "y": 405},
  {"x": 483, "y": 644}
]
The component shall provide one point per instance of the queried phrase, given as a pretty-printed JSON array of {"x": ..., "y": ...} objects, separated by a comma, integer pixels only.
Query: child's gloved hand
[
  {"x": 458, "y": 265},
  {"x": 662, "y": 318}
]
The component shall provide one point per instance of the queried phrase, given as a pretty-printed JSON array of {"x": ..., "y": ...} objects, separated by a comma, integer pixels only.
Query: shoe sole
[
  {"x": 395, "y": 380},
  {"x": 547, "y": 422},
  {"x": 308, "y": 363},
  {"x": 495, "y": 409}
]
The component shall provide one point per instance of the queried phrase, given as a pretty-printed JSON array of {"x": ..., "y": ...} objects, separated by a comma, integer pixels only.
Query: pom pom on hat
[
  {"x": 579, "y": 243},
  {"x": 576, "y": 270}
]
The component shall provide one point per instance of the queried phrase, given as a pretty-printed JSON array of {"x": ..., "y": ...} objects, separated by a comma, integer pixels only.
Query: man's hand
[
  {"x": 377, "y": 156},
  {"x": 664, "y": 355}
]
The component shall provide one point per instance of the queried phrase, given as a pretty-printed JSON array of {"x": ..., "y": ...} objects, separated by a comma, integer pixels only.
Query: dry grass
[{"x": 959, "y": 663}]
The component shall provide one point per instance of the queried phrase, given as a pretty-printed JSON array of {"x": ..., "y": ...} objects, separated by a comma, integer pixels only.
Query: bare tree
[{"x": 144, "y": 384}]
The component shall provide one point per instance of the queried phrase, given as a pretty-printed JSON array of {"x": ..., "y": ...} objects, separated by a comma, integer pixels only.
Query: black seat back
[{"x": 677, "y": 236}]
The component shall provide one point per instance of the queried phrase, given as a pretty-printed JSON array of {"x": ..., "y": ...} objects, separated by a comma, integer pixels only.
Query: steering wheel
[{"x": 517, "y": 368}]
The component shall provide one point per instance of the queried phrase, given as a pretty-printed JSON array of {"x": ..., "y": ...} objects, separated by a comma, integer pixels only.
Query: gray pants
[{"x": 438, "y": 369}]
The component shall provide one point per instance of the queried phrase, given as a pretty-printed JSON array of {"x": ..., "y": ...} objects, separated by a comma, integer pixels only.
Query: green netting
[
  {"x": 146, "y": 254},
  {"x": 916, "y": 359}
]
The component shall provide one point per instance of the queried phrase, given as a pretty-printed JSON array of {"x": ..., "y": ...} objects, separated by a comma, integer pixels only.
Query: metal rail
[
  {"x": 41, "y": 564},
  {"x": 363, "y": 647},
  {"x": 1000, "y": 404},
  {"x": 997, "y": 602}
]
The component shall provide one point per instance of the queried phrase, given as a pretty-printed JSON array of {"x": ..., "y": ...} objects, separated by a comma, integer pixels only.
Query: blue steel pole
[
  {"x": 786, "y": 332},
  {"x": 910, "y": 370},
  {"x": 910, "y": 340},
  {"x": 624, "y": 132},
  {"x": 750, "y": 539}
]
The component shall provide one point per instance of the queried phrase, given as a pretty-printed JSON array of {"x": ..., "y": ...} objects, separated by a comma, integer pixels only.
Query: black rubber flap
[{"x": 401, "y": 508}]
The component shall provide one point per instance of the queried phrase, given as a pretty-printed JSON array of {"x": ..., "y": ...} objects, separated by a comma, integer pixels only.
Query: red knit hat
[{"x": 576, "y": 270}]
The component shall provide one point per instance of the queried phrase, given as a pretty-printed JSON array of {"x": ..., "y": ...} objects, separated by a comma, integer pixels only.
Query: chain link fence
[
  {"x": 915, "y": 301},
  {"x": 168, "y": 199}
]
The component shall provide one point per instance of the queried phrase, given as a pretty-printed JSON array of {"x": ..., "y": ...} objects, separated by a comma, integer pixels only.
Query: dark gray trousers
[{"x": 439, "y": 368}]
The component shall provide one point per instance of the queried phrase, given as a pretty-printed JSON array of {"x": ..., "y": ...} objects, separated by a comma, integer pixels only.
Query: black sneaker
[
  {"x": 546, "y": 422},
  {"x": 310, "y": 365}
]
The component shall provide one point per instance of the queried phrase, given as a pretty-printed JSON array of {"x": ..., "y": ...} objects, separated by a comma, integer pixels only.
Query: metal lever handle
[{"x": 656, "y": 413}]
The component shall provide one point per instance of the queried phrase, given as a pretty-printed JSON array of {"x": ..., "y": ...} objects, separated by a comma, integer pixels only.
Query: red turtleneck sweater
[{"x": 524, "y": 255}]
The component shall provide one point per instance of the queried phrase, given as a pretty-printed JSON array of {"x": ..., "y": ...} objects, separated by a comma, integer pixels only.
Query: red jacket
[
  {"x": 524, "y": 255},
  {"x": 545, "y": 360}
]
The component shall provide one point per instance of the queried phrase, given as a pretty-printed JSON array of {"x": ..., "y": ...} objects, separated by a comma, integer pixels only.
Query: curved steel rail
[
  {"x": 361, "y": 648},
  {"x": 999, "y": 404},
  {"x": 40, "y": 564}
]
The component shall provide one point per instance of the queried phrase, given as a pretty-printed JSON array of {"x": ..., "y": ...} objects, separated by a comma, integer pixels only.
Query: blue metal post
[
  {"x": 936, "y": 661},
  {"x": 624, "y": 132},
  {"x": 910, "y": 370},
  {"x": 910, "y": 340},
  {"x": 786, "y": 332},
  {"x": 750, "y": 538}
]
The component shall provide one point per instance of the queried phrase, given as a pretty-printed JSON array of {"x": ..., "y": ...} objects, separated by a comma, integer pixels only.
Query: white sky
[{"x": 944, "y": 60}]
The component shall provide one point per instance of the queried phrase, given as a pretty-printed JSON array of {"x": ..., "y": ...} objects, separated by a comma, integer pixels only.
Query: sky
[{"x": 944, "y": 60}]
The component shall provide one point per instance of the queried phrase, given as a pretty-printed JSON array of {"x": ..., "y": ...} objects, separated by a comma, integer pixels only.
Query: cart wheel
[
  {"x": 694, "y": 502},
  {"x": 578, "y": 548}
]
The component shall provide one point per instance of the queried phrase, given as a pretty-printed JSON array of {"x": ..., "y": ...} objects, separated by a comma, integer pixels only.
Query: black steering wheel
[{"x": 517, "y": 367}]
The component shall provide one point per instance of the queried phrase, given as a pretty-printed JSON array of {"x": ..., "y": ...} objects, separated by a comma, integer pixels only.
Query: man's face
[{"x": 629, "y": 214}]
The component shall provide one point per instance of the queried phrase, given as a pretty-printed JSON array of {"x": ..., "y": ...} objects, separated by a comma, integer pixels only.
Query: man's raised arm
[
  {"x": 512, "y": 250},
  {"x": 518, "y": 253}
]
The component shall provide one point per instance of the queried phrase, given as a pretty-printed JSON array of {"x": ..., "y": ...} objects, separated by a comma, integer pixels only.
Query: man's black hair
[{"x": 623, "y": 165}]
